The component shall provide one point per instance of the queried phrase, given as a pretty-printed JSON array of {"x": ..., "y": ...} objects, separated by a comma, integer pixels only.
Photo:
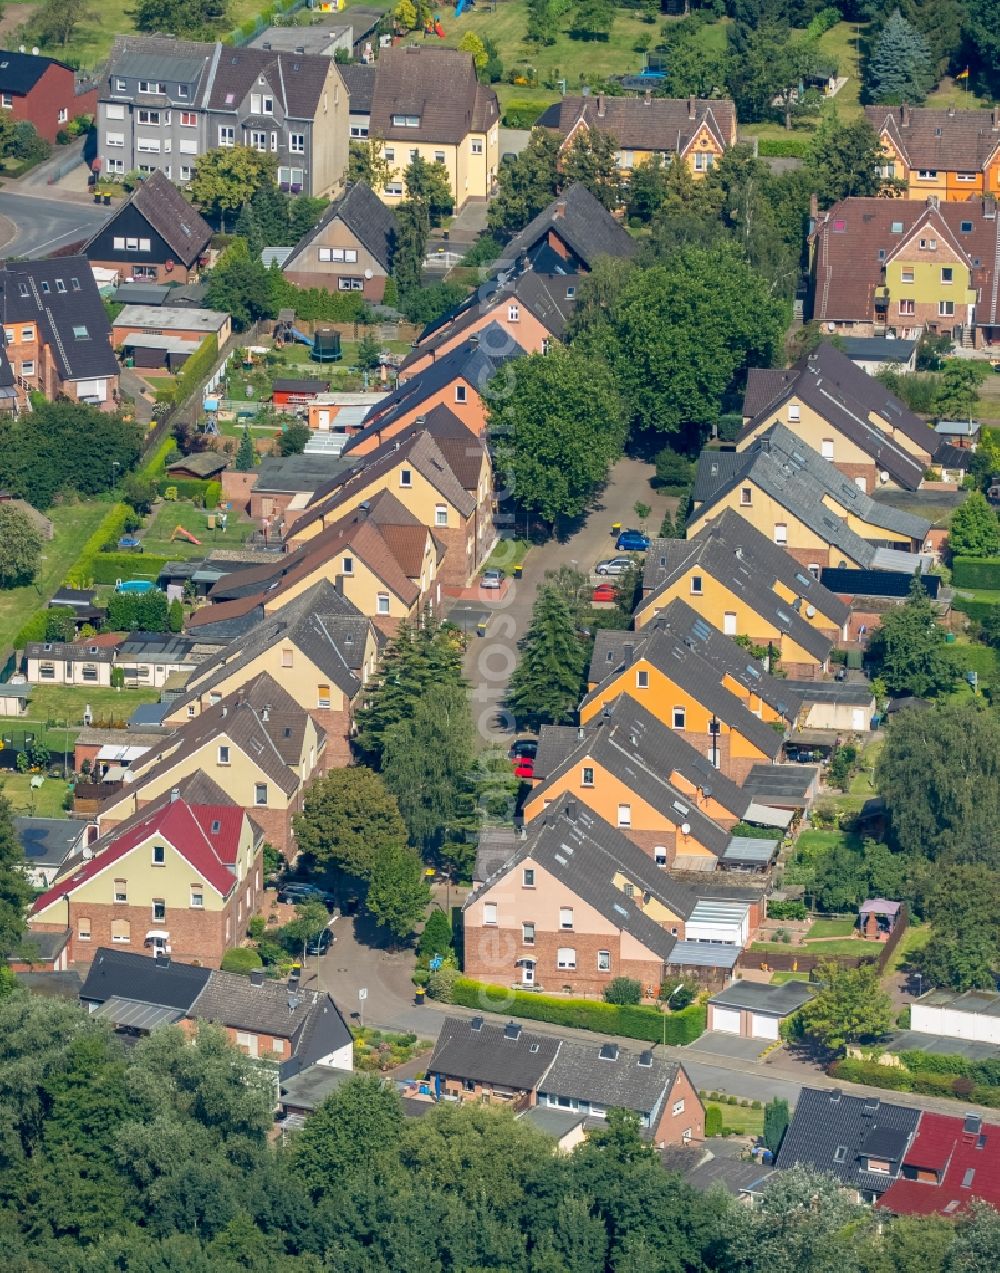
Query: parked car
[
  {"x": 614, "y": 566},
  {"x": 632, "y": 541},
  {"x": 524, "y": 747},
  {"x": 321, "y": 943},
  {"x": 603, "y": 592},
  {"x": 492, "y": 579},
  {"x": 524, "y": 767},
  {"x": 297, "y": 892}
]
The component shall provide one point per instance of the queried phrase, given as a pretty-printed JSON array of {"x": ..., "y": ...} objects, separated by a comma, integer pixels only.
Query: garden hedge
[
  {"x": 976, "y": 572},
  {"x": 110, "y": 567},
  {"x": 713, "y": 1121},
  {"x": 648, "y": 1024},
  {"x": 192, "y": 488},
  {"x": 923, "y": 1082},
  {"x": 783, "y": 147},
  {"x": 111, "y": 529},
  {"x": 974, "y": 609}
]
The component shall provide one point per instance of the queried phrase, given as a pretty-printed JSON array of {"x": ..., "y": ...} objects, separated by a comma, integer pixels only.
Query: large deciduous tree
[
  {"x": 908, "y": 648},
  {"x": 974, "y": 530},
  {"x": 547, "y": 682},
  {"x": 349, "y": 818},
  {"x": 194, "y": 19},
  {"x": 242, "y": 285},
  {"x": 526, "y": 185},
  {"x": 850, "y": 1007},
  {"x": 845, "y": 160},
  {"x": 20, "y": 546},
  {"x": 428, "y": 184},
  {"x": 964, "y": 909},
  {"x": 398, "y": 894},
  {"x": 227, "y": 177}
]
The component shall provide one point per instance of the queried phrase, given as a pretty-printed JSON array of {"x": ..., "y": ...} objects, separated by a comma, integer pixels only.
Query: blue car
[{"x": 632, "y": 541}]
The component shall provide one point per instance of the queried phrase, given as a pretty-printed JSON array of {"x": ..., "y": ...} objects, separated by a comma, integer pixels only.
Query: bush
[
  {"x": 729, "y": 426},
  {"x": 674, "y": 472},
  {"x": 111, "y": 529},
  {"x": 786, "y": 910},
  {"x": 485, "y": 250},
  {"x": 630, "y": 1022},
  {"x": 623, "y": 990},
  {"x": 713, "y": 1120},
  {"x": 976, "y": 572},
  {"x": 242, "y": 959},
  {"x": 213, "y": 493},
  {"x": 442, "y": 984},
  {"x": 192, "y": 488},
  {"x": 436, "y": 937},
  {"x": 427, "y": 304},
  {"x": 783, "y": 147}
]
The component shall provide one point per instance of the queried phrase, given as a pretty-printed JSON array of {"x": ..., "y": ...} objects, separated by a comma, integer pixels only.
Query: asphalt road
[{"x": 36, "y": 226}]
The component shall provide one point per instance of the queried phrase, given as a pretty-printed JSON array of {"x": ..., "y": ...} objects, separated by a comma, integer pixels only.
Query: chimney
[
  {"x": 601, "y": 108},
  {"x": 571, "y": 810},
  {"x": 266, "y": 713},
  {"x": 257, "y": 977},
  {"x": 951, "y": 112},
  {"x": 421, "y": 419},
  {"x": 474, "y": 340},
  {"x": 225, "y": 710},
  {"x": 648, "y": 97},
  {"x": 690, "y": 108},
  {"x": 904, "y": 115},
  {"x": 175, "y": 794},
  {"x": 629, "y": 651},
  {"x": 365, "y": 507},
  {"x": 933, "y": 201},
  {"x": 559, "y": 211}
]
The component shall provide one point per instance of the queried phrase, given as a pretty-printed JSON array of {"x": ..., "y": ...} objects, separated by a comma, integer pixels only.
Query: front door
[{"x": 527, "y": 973}]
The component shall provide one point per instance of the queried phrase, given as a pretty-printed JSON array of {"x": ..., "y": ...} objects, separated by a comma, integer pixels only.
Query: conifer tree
[
  {"x": 245, "y": 452},
  {"x": 546, "y": 684},
  {"x": 900, "y": 68}
]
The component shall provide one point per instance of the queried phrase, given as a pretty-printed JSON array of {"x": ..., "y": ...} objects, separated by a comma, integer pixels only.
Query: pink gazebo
[{"x": 878, "y": 918}]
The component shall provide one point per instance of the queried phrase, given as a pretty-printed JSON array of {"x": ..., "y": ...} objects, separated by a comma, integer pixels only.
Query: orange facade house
[{"x": 952, "y": 154}]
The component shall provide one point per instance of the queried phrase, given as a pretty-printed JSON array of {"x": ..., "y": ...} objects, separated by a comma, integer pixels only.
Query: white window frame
[
  {"x": 490, "y": 914},
  {"x": 566, "y": 919},
  {"x": 566, "y": 958},
  {"x": 604, "y": 961}
]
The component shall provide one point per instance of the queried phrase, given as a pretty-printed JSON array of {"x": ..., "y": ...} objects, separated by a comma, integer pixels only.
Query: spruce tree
[
  {"x": 900, "y": 67},
  {"x": 547, "y": 683},
  {"x": 245, "y": 452},
  {"x": 15, "y": 891}
]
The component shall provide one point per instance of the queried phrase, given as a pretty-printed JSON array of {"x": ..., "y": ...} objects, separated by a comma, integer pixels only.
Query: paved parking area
[{"x": 716, "y": 1043}]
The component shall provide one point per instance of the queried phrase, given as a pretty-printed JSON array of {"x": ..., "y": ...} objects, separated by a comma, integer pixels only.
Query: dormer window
[{"x": 406, "y": 121}]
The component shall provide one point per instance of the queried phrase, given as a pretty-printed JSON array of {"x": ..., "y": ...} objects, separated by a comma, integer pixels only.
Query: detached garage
[{"x": 754, "y": 1010}]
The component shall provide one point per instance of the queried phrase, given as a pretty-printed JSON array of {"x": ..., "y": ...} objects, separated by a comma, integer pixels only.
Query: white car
[{"x": 614, "y": 565}]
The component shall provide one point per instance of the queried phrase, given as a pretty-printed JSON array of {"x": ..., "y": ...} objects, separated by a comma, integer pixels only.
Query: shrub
[
  {"x": 109, "y": 567},
  {"x": 786, "y": 910},
  {"x": 673, "y": 471},
  {"x": 442, "y": 984},
  {"x": 623, "y": 990},
  {"x": 436, "y": 937},
  {"x": 213, "y": 493},
  {"x": 242, "y": 959},
  {"x": 729, "y": 426},
  {"x": 713, "y": 1120},
  {"x": 976, "y": 572}
]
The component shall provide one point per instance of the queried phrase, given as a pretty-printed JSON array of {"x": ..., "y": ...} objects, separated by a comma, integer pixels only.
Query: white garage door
[
  {"x": 763, "y": 1027},
  {"x": 726, "y": 1019}
]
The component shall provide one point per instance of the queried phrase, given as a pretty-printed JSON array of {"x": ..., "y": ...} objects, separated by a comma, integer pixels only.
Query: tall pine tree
[
  {"x": 900, "y": 67},
  {"x": 546, "y": 685},
  {"x": 245, "y": 452}
]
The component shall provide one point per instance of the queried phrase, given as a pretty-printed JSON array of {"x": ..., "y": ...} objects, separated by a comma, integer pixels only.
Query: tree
[
  {"x": 850, "y": 1007},
  {"x": 974, "y": 530},
  {"x": 430, "y": 185},
  {"x": 647, "y": 189},
  {"x": 349, "y": 818},
  {"x": 368, "y": 355},
  {"x": 436, "y": 938},
  {"x": 411, "y": 245},
  {"x": 294, "y": 437},
  {"x": 398, "y": 894},
  {"x": 907, "y": 649},
  {"x": 227, "y": 177},
  {"x": 242, "y": 285},
  {"x": 366, "y": 162},
  {"x": 15, "y": 891},
  {"x": 140, "y": 492},
  {"x": 899, "y": 69},
  {"x": 546, "y": 684},
  {"x": 776, "y": 1120},
  {"x": 353, "y": 1136},
  {"x": 311, "y": 917},
  {"x": 591, "y": 161},
  {"x": 471, "y": 43},
  {"x": 542, "y": 23},
  {"x": 20, "y": 546},
  {"x": 56, "y": 23},
  {"x": 525, "y": 186},
  {"x": 557, "y": 428},
  {"x": 60, "y": 623},
  {"x": 246, "y": 454},
  {"x": 957, "y": 391},
  {"x": 189, "y": 18},
  {"x": 592, "y": 19},
  {"x": 962, "y": 906},
  {"x": 845, "y": 160}
]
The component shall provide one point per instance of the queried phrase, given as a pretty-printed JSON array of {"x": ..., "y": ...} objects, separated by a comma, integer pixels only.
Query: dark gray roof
[
  {"x": 297, "y": 473},
  {"x": 799, "y": 479},
  {"x": 704, "y": 1168},
  {"x": 202, "y": 463},
  {"x": 485, "y": 1051},
  {"x": 121, "y": 974},
  {"x": 582, "y": 222},
  {"x": 755, "y": 996},
  {"x": 858, "y": 693},
  {"x": 494, "y": 847},
  {"x": 551, "y": 1122},
  {"x": 612, "y": 1076},
  {"x": 370, "y": 221},
  {"x": 43, "y": 947},
  {"x": 271, "y": 1008},
  {"x": 48, "y": 841},
  {"x": 555, "y": 743},
  {"x": 360, "y": 81},
  {"x": 72, "y": 321},
  {"x": 880, "y": 348},
  {"x": 181, "y": 226},
  {"x": 70, "y": 652},
  {"x": 834, "y": 1133},
  {"x": 309, "y": 1088},
  {"x": 781, "y": 784},
  {"x": 20, "y": 72}
]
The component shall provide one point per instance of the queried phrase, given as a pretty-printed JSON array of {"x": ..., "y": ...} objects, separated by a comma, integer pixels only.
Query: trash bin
[
  {"x": 616, "y": 529},
  {"x": 419, "y": 995},
  {"x": 480, "y": 629},
  {"x": 518, "y": 572}
]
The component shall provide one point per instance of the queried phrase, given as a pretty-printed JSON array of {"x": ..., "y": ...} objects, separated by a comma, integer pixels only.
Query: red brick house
[{"x": 42, "y": 91}]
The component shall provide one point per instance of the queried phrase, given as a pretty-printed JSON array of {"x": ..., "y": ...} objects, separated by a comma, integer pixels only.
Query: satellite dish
[
  {"x": 368, "y": 274},
  {"x": 810, "y": 611},
  {"x": 831, "y": 327},
  {"x": 685, "y": 828}
]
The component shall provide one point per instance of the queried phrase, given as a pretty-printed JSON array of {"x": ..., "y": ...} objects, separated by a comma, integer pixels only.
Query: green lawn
[
  {"x": 821, "y": 948},
  {"x": 830, "y": 928},
  {"x": 779, "y": 978},
  {"x": 914, "y": 939},
  {"x": 952, "y": 94},
  {"x": 57, "y": 703},
  {"x": 74, "y": 523},
  {"x": 508, "y": 554},
  {"x": 45, "y": 801},
  {"x": 156, "y": 538},
  {"x": 740, "y": 1119}
]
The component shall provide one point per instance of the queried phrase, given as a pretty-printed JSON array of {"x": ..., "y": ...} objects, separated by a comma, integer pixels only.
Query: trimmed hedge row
[
  {"x": 109, "y": 567},
  {"x": 644, "y": 1023},
  {"x": 783, "y": 147},
  {"x": 978, "y": 610},
  {"x": 197, "y": 368},
  {"x": 112, "y": 527},
  {"x": 924, "y": 1083},
  {"x": 976, "y": 572},
  {"x": 192, "y": 488}
]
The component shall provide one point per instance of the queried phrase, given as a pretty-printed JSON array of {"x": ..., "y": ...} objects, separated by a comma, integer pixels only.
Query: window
[
  {"x": 477, "y": 146},
  {"x": 393, "y": 188},
  {"x": 746, "y": 496},
  {"x": 827, "y": 447},
  {"x": 7, "y": 101},
  {"x": 489, "y": 912},
  {"x": 188, "y": 119},
  {"x": 928, "y": 245},
  {"x": 927, "y": 174},
  {"x": 63, "y": 115},
  {"x": 61, "y": 286},
  {"x": 947, "y": 274},
  {"x": 297, "y": 143},
  {"x": 261, "y": 104},
  {"x": 186, "y": 170},
  {"x": 149, "y": 117},
  {"x": 780, "y": 533},
  {"x": 121, "y": 891},
  {"x": 908, "y": 307},
  {"x": 696, "y": 585},
  {"x": 358, "y": 130},
  {"x": 527, "y": 934},
  {"x": 604, "y": 961},
  {"x": 703, "y": 161},
  {"x": 680, "y": 718},
  {"x": 624, "y": 815},
  {"x": 47, "y": 671},
  {"x": 83, "y": 928},
  {"x": 260, "y": 793},
  {"x": 227, "y": 135},
  {"x": 197, "y": 898},
  {"x": 566, "y": 917},
  {"x": 566, "y": 958},
  {"x": 148, "y": 86},
  {"x": 406, "y": 477},
  {"x": 114, "y": 165},
  {"x": 159, "y": 855},
  {"x": 287, "y": 657},
  {"x": 121, "y": 931},
  {"x": 390, "y": 155},
  {"x": 440, "y": 515},
  {"x": 642, "y": 679},
  {"x": 414, "y": 156},
  {"x": 159, "y": 908},
  {"x": 258, "y": 139},
  {"x": 528, "y": 877},
  {"x": 678, "y": 1108},
  {"x": 406, "y": 121},
  {"x": 338, "y": 254},
  {"x": 660, "y": 855},
  {"x": 322, "y": 696},
  {"x": 119, "y": 86},
  {"x": 513, "y": 314},
  {"x": 114, "y": 139},
  {"x": 28, "y": 368},
  {"x": 460, "y": 393},
  {"x": 587, "y": 776},
  {"x": 966, "y": 227},
  {"x": 348, "y": 284},
  {"x": 906, "y": 275},
  {"x": 946, "y": 309},
  {"x": 382, "y": 603},
  {"x": 223, "y": 756}
]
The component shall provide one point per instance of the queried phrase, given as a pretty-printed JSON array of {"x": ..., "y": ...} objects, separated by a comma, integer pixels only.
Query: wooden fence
[{"x": 801, "y": 959}]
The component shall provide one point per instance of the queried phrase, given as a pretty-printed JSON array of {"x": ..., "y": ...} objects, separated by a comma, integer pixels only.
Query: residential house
[
  {"x": 899, "y": 267},
  {"x": 41, "y": 962},
  {"x": 46, "y": 844},
  {"x": 621, "y": 768},
  {"x": 428, "y": 102},
  {"x": 175, "y": 878},
  {"x": 350, "y": 249},
  {"x": 794, "y": 497},
  {"x": 973, "y": 1015},
  {"x": 43, "y": 92},
  {"x": 155, "y": 235},
  {"x": 60, "y": 663},
  {"x": 257, "y": 745},
  {"x": 745, "y": 585},
  {"x": 185, "y": 324},
  {"x": 273, "y": 1021},
  {"x": 849, "y": 417},
  {"x": 165, "y": 101},
  {"x": 837, "y": 707},
  {"x": 952, "y": 1163},
  {"x": 384, "y": 560},
  {"x": 578, "y": 904},
  {"x": 478, "y": 1059},
  {"x": 950, "y": 154},
  {"x": 148, "y": 659},
  {"x": 56, "y": 332},
  {"x": 643, "y": 128},
  {"x": 569, "y": 237},
  {"x": 698, "y": 682},
  {"x": 532, "y": 308},
  {"x": 457, "y": 380},
  {"x": 319, "y": 648},
  {"x": 859, "y": 1140},
  {"x": 439, "y": 472},
  {"x": 280, "y": 483},
  {"x": 755, "y": 1010}
]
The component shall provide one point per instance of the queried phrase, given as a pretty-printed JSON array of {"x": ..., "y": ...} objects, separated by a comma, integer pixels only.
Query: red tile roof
[
  {"x": 965, "y": 1159},
  {"x": 186, "y": 828}
]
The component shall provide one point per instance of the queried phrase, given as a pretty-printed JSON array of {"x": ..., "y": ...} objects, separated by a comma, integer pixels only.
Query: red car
[
  {"x": 604, "y": 592},
  {"x": 524, "y": 768}
]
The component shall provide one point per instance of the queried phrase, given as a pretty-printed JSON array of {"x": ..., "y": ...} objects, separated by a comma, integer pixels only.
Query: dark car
[
  {"x": 632, "y": 541},
  {"x": 524, "y": 747},
  {"x": 321, "y": 943},
  {"x": 296, "y": 892}
]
